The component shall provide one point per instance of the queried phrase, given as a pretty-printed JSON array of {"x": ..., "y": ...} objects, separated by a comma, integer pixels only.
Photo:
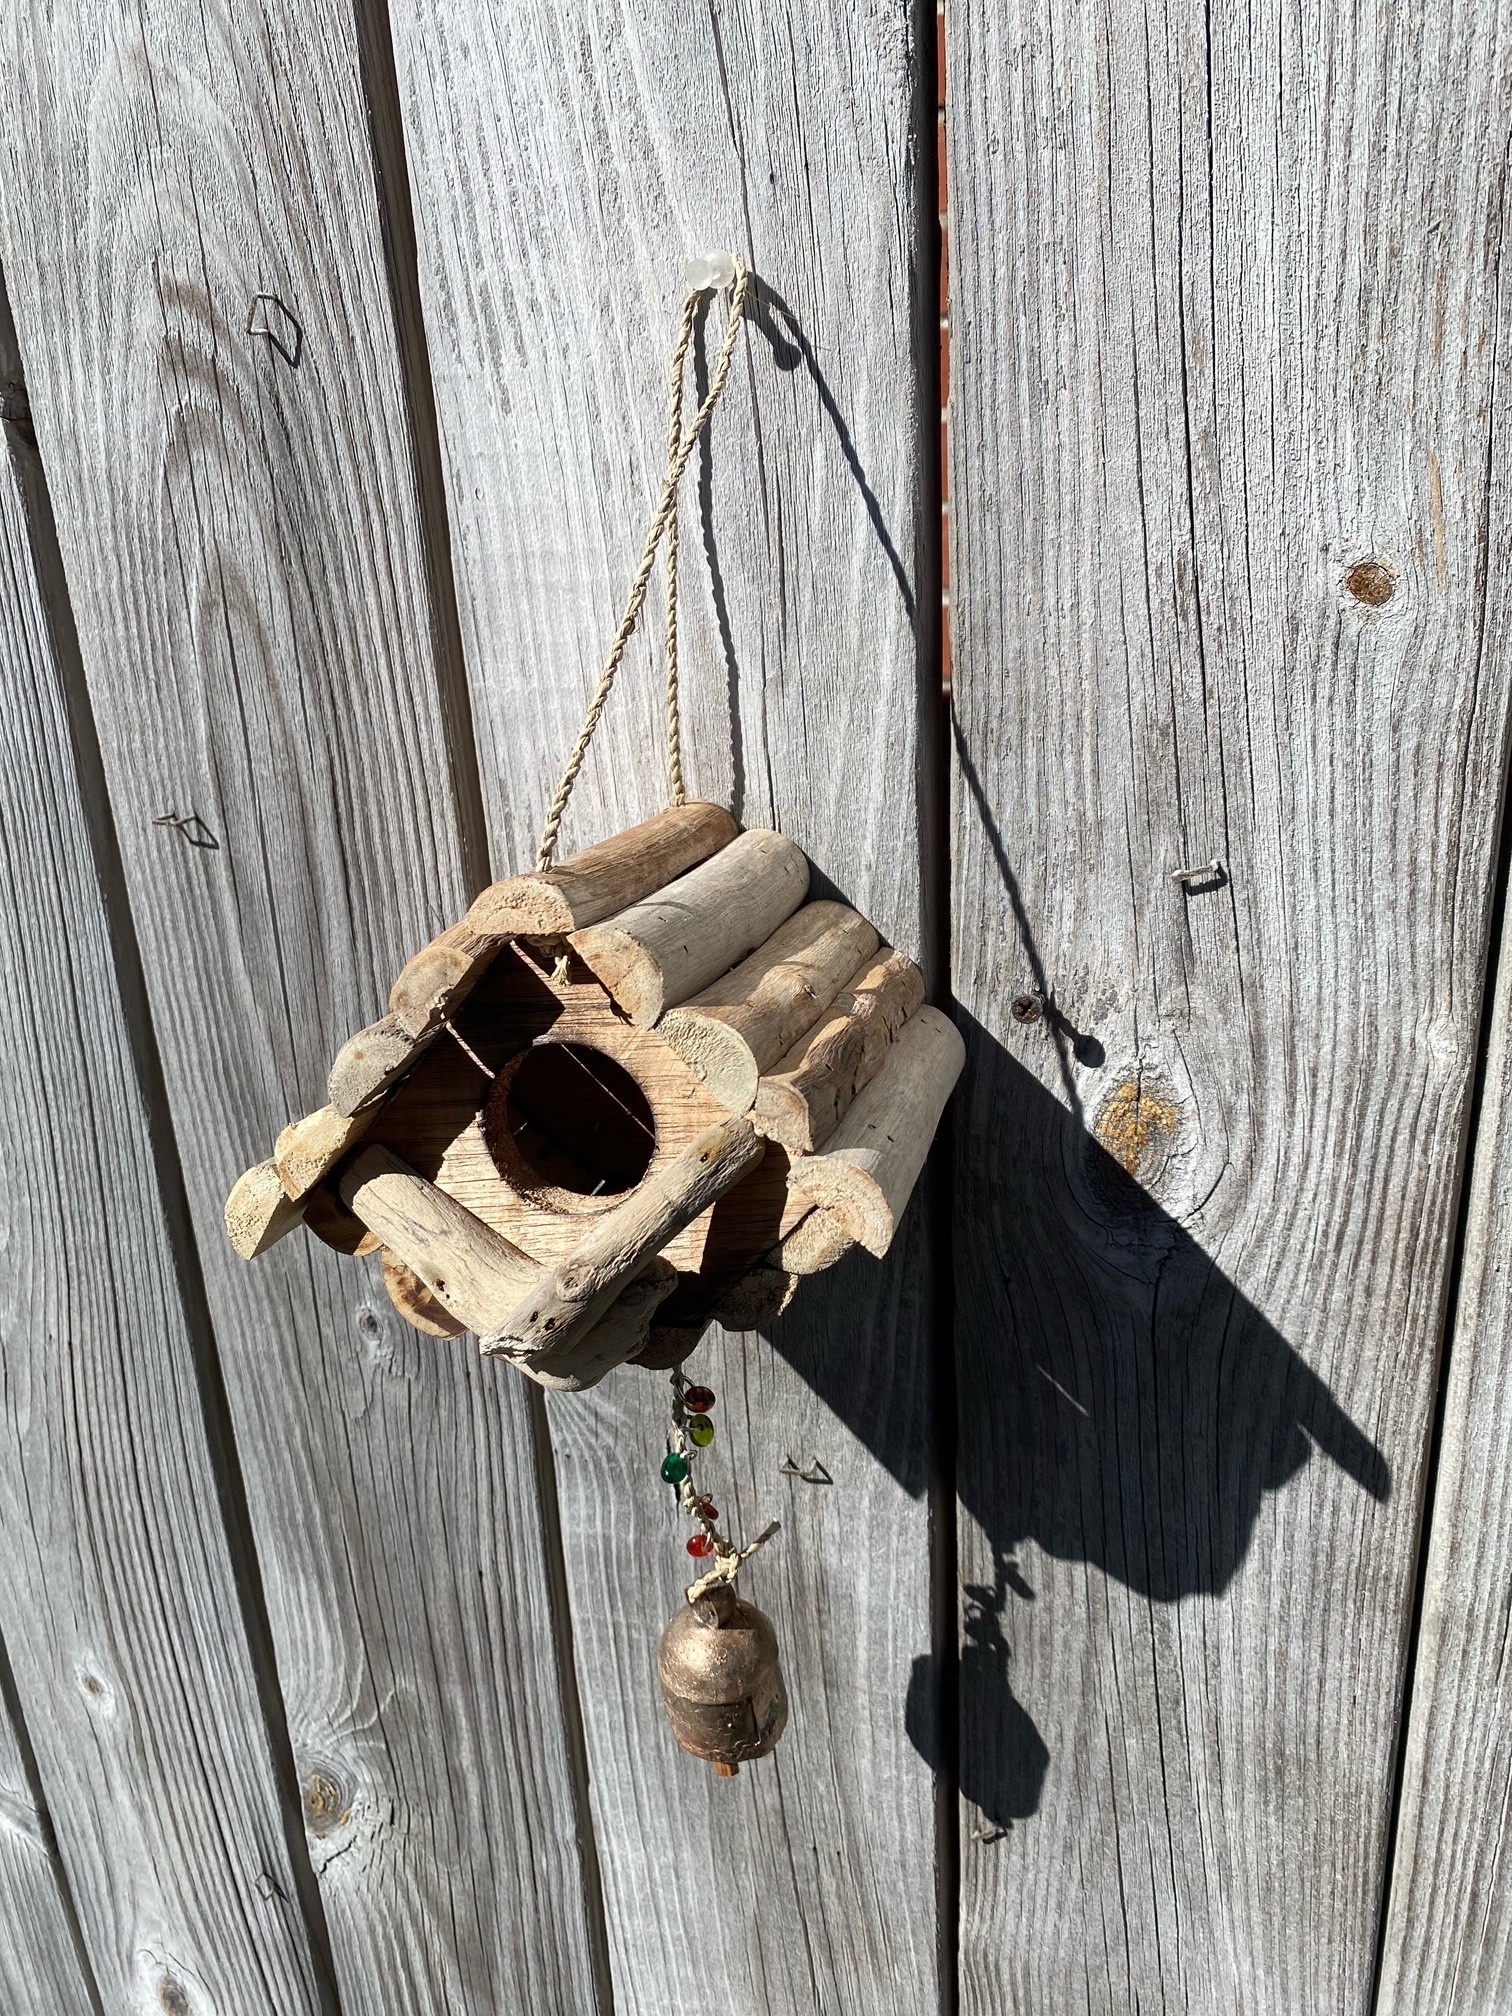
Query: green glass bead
[
  {"x": 674, "y": 1467},
  {"x": 701, "y": 1430}
]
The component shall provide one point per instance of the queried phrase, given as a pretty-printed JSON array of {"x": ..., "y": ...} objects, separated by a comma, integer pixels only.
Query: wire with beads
[{"x": 692, "y": 1431}]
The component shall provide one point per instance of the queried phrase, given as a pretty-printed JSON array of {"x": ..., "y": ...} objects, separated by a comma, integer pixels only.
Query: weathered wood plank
[
  {"x": 118, "y": 1600},
  {"x": 1223, "y": 328},
  {"x": 1448, "y": 1931},
  {"x": 565, "y": 162},
  {"x": 41, "y": 1968},
  {"x": 241, "y": 534}
]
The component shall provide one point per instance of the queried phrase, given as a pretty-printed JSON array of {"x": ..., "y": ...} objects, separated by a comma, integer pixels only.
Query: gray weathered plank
[
  {"x": 565, "y": 162},
  {"x": 241, "y": 535},
  {"x": 1448, "y": 1932},
  {"x": 118, "y": 1600},
  {"x": 41, "y": 1968},
  {"x": 1223, "y": 315}
]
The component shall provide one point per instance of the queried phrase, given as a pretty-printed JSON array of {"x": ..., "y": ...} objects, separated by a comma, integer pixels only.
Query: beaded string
[
  {"x": 692, "y": 1431},
  {"x": 719, "y": 270}
]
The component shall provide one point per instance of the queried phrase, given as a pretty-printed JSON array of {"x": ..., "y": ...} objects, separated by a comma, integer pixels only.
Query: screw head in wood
[{"x": 1026, "y": 1008}]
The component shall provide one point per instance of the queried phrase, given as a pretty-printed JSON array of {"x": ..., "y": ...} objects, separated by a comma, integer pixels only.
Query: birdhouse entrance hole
[{"x": 575, "y": 1119}]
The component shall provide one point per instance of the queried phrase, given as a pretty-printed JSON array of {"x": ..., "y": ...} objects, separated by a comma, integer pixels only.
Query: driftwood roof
[{"x": 786, "y": 1016}]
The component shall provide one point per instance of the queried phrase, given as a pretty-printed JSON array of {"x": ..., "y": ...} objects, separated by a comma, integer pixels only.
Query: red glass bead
[
  {"x": 709, "y": 1509},
  {"x": 700, "y": 1546},
  {"x": 698, "y": 1399}
]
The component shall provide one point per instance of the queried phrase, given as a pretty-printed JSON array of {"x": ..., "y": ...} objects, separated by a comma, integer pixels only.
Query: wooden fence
[{"x": 1148, "y": 1642}]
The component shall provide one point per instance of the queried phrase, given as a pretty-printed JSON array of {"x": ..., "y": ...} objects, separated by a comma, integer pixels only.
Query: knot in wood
[
  {"x": 326, "y": 1805},
  {"x": 1137, "y": 1128},
  {"x": 1371, "y": 582}
]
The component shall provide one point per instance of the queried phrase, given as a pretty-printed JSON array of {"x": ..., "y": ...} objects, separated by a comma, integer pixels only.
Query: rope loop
[{"x": 680, "y": 446}]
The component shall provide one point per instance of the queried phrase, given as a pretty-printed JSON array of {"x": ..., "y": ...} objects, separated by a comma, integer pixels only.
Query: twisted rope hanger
[{"x": 703, "y": 276}]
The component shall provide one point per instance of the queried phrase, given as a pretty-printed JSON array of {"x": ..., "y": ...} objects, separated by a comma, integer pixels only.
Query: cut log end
[
  {"x": 440, "y": 977},
  {"x": 817, "y": 1242},
  {"x": 525, "y": 906},
  {"x": 616, "y": 872},
  {"x": 259, "y": 1212},
  {"x": 851, "y": 1201},
  {"x": 368, "y": 1063},
  {"x": 628, "y": 973},
  {"x": 308, "y": 1149},
  {"x": 717, "y": 1055}
]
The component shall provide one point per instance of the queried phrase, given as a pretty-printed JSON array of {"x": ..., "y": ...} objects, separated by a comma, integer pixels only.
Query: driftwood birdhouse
[{"x": 647, "y": 1088}]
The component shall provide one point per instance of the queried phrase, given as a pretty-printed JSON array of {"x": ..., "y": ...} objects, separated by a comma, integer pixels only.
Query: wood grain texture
[
  {"x": 239, "y": 525},
  {"x": 565, "y": 162},
  {"x": 1448, "y": 1931},
  {"x": 118, "y": 1600},
  {"x": 41, "y": 1968},
  {"x": 1224, "y": 325}
]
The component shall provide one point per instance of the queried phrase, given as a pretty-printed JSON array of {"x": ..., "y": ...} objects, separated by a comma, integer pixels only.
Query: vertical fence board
[
  {"x": 239, "y": 527},
  {"x": 117, "y": 1597},
  {"x": 1222, "y": 328},
  {"x": 1448, "y": 1933},
  {"x": 41, "y": 1970},
  {"x": 564, "y": 164}
]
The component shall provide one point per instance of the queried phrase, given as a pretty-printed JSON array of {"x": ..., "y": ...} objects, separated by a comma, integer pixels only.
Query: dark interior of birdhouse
[{"x": 575, "y": 1118}]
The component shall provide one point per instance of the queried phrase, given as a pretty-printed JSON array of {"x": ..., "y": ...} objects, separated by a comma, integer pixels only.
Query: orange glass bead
[
  {"x": 700, "y": 1546},
  {"x": 698, "y": 1399}
]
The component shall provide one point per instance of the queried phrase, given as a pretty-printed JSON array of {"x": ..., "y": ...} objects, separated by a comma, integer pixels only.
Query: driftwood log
[
  {"x": 603, "y": 879},
  {"x": 799, "y": 1103},
  {"x": 866, "y": 1172},
  {"x": 259, "y": 1211},
  {"x": 472, "y": 1270},
  {"x": 664, "y": 949},
  {"x": 308, "y": 1149},
  {"x": 731, "y": 1032},
  {"x": 569, "y": 1298}
]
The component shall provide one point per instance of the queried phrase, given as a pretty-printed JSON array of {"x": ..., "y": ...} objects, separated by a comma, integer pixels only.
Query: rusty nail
[{"x": 1026, "y": 1008}]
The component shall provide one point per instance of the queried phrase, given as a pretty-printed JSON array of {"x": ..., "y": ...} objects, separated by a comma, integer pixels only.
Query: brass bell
[{"x": 721, "y": 1682}]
